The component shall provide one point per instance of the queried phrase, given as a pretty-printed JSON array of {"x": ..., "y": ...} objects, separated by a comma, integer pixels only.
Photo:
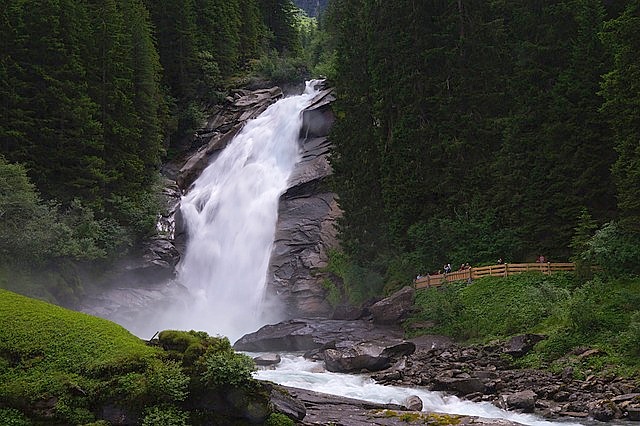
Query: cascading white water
[
  {"x": 297, "y": 372},
  {"x": 230, "y": 215}
]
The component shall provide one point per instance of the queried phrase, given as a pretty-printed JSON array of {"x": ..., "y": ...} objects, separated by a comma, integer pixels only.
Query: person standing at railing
[{"x": 541, "y": 259}]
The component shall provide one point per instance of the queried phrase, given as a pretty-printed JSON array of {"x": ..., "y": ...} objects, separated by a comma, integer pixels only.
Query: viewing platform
[{"x": 502, "y": 270}]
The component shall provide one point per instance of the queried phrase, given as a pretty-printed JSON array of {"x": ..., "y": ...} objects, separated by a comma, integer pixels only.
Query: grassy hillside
[
  {"x": 57, "y": 363},
  {"x": 62, "y": 367},
  {"x": 602, "y": 314}
]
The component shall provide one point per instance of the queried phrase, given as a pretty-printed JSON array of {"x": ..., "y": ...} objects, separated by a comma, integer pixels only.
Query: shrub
[
  {"x": 12, "y": 417},
  {"x": 227, "y": 369},
  {"x": 359, "y": 284},
  {"x": 164, "y": 415},
  {"x": 278, "y": 419},
  {"x": 615, "y": 250},
  {"x": 279, "y": 68}
]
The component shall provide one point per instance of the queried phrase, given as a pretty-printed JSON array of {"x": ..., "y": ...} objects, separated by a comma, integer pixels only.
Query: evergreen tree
[
  {"x": 50, "y": 123},
  {"x": 280, "y": 18},
  {"x": 252, "y": 31},
  {"x": 621, "y": 89},
  {"x": 218, "y": 23},
  {"x": 176, "y": 35}
]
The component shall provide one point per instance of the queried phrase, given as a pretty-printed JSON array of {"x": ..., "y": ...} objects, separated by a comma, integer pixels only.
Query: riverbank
[
  {"x": 478, "y": 373},
  {"x": 487, "y": 373}
]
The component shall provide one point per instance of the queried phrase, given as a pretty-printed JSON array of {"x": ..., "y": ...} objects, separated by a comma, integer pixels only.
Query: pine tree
[
  {"x": 621, "y": 90},
  {"x": 280, "y": 18},
  {"x": 51, "y": 122}
]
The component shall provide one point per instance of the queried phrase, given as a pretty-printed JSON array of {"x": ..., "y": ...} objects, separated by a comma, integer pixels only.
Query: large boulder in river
[
  {"x": 393, "y": 308},
  {"x": 301, "y": 335},
  {"x": 367, "y": 356}
]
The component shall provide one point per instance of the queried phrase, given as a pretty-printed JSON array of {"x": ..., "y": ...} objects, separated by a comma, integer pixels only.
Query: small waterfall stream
[{"x": 230, "y": 214}]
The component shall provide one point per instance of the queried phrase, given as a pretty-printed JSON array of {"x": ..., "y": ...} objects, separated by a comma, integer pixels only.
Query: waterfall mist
[{"x": 230, "y": 214}]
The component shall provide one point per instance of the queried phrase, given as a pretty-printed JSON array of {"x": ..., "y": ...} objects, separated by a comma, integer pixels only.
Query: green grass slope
[
  {"x": 58, "y": 365},
  {"x": 600, "y": 313}
]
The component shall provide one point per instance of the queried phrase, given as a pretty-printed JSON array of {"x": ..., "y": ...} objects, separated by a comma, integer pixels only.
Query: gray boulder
[
  {"x": 524, "y": 401},
  {"x": 368, "y": 356},
  {"x": 459, "y": 385},
  {"x": 393, "y": 308},
  {"x": 284, "y": 403},
  {"x": 309, "y": 334},
  {"x": 267, "y": 359},
  {"x": 604, "y": 410},
  {"x": 520, "y": 345},
  {"x": 413, "y": 403}
]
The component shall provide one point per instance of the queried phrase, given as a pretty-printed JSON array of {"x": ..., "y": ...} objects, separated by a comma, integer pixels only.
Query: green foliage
[
  {"x": 278, "y": 419},
  {"x": 70, "y": 356},
  {"x": 357, "y": 283},
  {"x": 615, "y": 250},
  {"x": 600, "y": 314},
  {"x": 334, "y": 295},
  {"x": 79, "y": 363},
  {"x": 13, "y": 417},
  {"x": 493, "y": 306},
  {"x": 280, "y": 17},
  {"x": 224, "y": 368},
  {"x": 40, "y": 231},
  {"x": 279, "y": 68},
  {"x": 481, "y": 138},
  {"x": 165, "y": 415},
  {"x": 621, "y": 91},
  {"x": 630, "y": 339}
]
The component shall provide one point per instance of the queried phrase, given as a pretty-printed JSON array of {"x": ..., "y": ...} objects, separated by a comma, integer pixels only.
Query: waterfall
[{"x": 230, "y": 214}]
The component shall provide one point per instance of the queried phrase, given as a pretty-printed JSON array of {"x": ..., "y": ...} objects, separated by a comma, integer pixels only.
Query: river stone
[
  {"x": 519, "y": 345},
  {"x": 604, "y": 410},
  {"x": 524, "y": 401},
  {"x": 369, "y": 356},
  {"x": 284, "y": 403},
  {"x": 633, "y": 412},
  {"x": 267, "y": 359},
  {"x": 306, "y": 334},
  {"x": 413, "y": 403},
  {"x": 460, "y": 385}
]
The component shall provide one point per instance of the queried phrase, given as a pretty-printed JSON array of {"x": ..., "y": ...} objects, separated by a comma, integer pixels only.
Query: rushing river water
[{"x": 295, "y": 371}]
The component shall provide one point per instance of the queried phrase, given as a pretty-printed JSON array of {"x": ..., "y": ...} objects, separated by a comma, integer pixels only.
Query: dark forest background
[
  {"x": 466, "y": 130},
  {"x": 470, "y": 131}
]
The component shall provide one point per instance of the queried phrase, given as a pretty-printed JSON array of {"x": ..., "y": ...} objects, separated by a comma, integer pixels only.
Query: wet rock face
[{"x": 305, "y": 231}]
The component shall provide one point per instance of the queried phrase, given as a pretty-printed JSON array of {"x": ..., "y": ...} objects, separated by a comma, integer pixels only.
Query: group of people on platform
[{"x": 446, "y": 269}]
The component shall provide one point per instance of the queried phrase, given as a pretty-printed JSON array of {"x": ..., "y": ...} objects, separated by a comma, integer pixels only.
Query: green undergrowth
[
  {"x": 63, "y": 367},
  {"x": 65, "y": 361},
  {"x": 574, "y": 316},
  {"x": 413, "y": 417}
]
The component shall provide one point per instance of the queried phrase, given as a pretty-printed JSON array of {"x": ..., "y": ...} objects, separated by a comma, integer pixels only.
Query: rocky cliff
[
  {"x": 305, "y": 229},
  {"x": 306, "y": 218}
]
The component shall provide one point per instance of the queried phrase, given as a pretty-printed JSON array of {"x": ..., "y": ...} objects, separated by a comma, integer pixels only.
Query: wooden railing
[{"x": 502, "y": 270}]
